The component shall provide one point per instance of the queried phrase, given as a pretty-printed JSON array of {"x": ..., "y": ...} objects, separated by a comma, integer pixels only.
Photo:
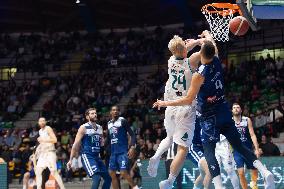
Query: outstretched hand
[
  {"x": 204, "y": 34},
  {"x": 159, "y": 103}
]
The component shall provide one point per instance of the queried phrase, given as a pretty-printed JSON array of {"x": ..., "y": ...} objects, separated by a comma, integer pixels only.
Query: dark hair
[
  {"x": 236, "y": 104},
  {"x": 208, "y": 49},
  {"x": 114, "y": 107},
  {"x": 88, "y": 111}
]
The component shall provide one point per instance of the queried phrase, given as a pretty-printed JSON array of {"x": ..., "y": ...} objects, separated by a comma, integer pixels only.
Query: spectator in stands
[
  {"x": 279, "y": 63},
  {"x": 65, "y": 137},
  {"x": 268, "y": 148},
  {"x": 255, "y": 93},
  {"x": 33, "y": 135},
  {"x": 9, "y": 139},
  {"x": 150, "y": 151}
]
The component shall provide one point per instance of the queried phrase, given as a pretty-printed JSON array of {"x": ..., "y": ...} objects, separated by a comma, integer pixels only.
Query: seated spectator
[{"x": 268, "y": 148}]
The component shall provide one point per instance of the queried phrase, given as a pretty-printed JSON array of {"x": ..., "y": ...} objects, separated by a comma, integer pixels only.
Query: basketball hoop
[{"x": 218, "y": 15}]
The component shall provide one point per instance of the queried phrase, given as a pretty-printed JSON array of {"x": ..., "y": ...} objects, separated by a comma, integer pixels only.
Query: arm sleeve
[{"x": 130, "y": 132}]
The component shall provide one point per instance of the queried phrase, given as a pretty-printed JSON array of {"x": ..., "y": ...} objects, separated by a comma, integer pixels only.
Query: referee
[{"x": 170, "y": 156}]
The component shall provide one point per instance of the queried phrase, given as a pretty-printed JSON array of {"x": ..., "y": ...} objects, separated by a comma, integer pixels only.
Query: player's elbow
[{"x": 54, "y": 140}]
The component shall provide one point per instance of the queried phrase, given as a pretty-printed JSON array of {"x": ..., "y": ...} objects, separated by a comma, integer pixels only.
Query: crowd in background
[
  {"x": 256, "y": 84},
  {"x": 15, "y": 98}
]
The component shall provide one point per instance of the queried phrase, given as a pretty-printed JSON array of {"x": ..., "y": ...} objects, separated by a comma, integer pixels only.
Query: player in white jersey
[
  {"x": 179, "y": 121},
  {"x": 46, "y": 155},
  {"x": 224, "y": 155}
]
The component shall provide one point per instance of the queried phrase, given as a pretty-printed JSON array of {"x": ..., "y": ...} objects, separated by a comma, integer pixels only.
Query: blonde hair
[{"x": 177, "y": 46}]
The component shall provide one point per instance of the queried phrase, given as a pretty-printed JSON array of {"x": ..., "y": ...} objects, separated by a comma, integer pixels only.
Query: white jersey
[
  {"x": 44, "y": 135},
  {"x": 180, "y": 75},
  {"x": 46, "y": 152}
]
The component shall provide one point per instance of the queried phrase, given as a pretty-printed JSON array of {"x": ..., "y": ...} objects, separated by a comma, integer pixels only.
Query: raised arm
[
  {"x": 196, "y": 82},
  {"x": 253, "y": 138},
  {"x": 194, "y": 59},
  {"x": 206, "y": 34},
  {"x": 76, "y": 144}
]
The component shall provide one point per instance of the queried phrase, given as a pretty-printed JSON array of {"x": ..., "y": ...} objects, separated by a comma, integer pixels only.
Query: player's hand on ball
[{"x": 158, "y": 104}]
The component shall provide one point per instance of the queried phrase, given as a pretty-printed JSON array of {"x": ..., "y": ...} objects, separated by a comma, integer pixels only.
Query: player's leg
[
  {"x": 228, "y": 163},
  {"x": 196, "y": 155},
  {"x": 107, "y": 180},
  {"x": 232, "y": 135},
  {"x": 114, "y": 181},
  {"x": 210, "y": 135},
  {"x": 53, "y": 169},
  {"x": 123, "y": 167},
  {"x": 104, "y": 174},
  {"x": 175, "y": 167},
  {"x": 38, "y": 172},
  {"x": 254, "y": 176},
  {"x": 184, "y": 121},
  {"x": 113, "y": 167},
  {"x": 165, "y": 143},
  {"x": 207, "y": 181},
  {"x": 96, "y": 178},
  {"x": 243, "y": 180},
  {"x": 26, "y": 179},
  {"x": 229, "y": 168},
  {"x": 240, "y": 167}
]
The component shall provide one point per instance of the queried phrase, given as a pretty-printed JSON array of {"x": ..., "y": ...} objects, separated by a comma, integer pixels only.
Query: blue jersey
[
  {"x": 211, "y": 92},
  {"x": 243, "y": 130},
  {"x": 118, "y": 135},
  {"x": 91, "y": 141}
]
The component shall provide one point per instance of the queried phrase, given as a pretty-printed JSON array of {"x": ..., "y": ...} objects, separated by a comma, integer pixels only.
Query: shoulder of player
[
  {"x": 48, "y": 128},
  {"x": 100, "y": 128},
  {"x": 245, "y": 118},
  {"x": 83, "y": 127}
]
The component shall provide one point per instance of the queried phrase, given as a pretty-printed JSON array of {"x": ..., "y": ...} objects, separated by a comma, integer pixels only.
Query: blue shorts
[
  {"x": 241, "y": 162},
  {"x": 118, "y": 162},
  {"x": 214, "y": 122},
  {"x": 195, "y": 153},
  {"x": 93, "y": 165}
]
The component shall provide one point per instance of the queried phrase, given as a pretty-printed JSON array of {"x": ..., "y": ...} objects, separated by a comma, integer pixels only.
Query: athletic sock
[
  {"x": 257, "y": 164},
  {"x": 172, "y": 178}
]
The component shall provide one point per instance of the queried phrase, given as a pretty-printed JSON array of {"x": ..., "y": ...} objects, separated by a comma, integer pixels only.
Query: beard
[
  {"x": 237, "y": 114},
  {"x": 93, "y": 119}
]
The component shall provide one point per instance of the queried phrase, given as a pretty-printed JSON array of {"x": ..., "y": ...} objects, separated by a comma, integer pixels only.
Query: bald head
[{"x": 41, "y": 122}]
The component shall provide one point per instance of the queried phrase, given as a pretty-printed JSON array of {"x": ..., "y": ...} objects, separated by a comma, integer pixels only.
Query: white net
[{"x": 219, "y": 24}]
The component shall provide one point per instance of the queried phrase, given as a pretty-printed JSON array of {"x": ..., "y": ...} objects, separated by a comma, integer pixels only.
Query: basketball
[{"x": 239, "y": 26}]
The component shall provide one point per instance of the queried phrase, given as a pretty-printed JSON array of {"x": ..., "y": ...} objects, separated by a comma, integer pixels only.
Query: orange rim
[{"x": 227, "y": 8}]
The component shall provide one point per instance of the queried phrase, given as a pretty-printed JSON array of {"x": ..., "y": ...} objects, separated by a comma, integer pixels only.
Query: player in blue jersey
[
  {"x": 118, "y": 128},
  {"x": 196, "y": 155},
  {"x": 248, "y": 138},
  {"x": 88, "y": 141},
  {"x": 214, "y": 112}
]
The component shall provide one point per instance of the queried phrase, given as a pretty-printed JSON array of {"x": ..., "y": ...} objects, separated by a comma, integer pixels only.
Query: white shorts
[
  {"x": 224, "y": 155},
  {"x": 180, "y": 123},
  {"x": 47, "y": 159}
]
